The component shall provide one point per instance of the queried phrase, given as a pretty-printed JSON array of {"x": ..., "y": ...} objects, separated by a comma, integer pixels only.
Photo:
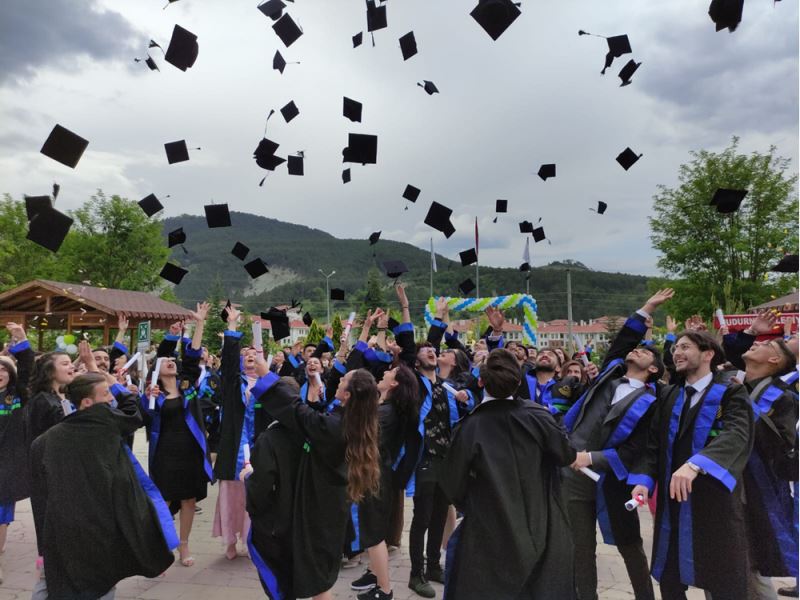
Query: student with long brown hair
[{"x": 340, "y": 465}]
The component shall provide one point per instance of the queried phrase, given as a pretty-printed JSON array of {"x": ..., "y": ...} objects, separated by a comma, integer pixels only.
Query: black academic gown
[
  {"x": 502, "y": 472},
  {"x": 702, "y": 541},
  {"x": 321, "y": 509},
  {"x": 772, "y": 530},
  {"x": 232, "y": 412},
  {"x": 99, "y": 524},
  {"x": 15, "y": 477}
]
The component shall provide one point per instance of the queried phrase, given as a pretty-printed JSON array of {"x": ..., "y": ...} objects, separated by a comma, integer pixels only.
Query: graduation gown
[
  {"x": 15, "y": 478},
  {"x": 320, "y": 507},
  {"x": 502, "y": 472},
  {"x": 708, "y": 531},
  {"x": 772, "y": 531},
  {"x": 99, "y": 526}
]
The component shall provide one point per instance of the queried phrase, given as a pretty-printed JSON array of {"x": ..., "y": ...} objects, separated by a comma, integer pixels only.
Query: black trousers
[{"x": 430, "y": 514}]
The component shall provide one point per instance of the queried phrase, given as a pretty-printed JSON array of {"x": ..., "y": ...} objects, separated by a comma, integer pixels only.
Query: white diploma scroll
[{"x": 154, "y": 382}]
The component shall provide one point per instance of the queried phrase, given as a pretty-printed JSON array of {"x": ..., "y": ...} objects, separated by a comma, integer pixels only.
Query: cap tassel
[
  {"x": 56, "y": 189},
  {"x": 271, "y": 112}
]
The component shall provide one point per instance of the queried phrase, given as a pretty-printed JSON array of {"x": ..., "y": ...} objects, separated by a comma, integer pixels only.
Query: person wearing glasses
[
  {"x": 772, "y": 536},
  {"x": 699, "y": 441}
]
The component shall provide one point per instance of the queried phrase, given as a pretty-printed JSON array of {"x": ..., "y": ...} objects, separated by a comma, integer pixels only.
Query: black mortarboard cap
[
  {"x": 495, "y": 16},
  {"x": 394, "y": 268},
  {"x": 627, "y": 158},
  {"x": 526, "y": 227},
  {"x": 287, "y": 30},
  {"x": 501, "y": 206},
  {"x": 295, "y": 165},
  {"x": 48, "y": 228},
  {"x": 429, "y": 87},
  {"x": 411, "y": 193},
  {"x": 408, "y": 45},
  {"x": 546, "y": 171},
  {"x": 538, "y": 234},
  {"x": 346, "y": 176},
  {"x": 176, "y": 152},
  {"x": 35, "y": 204},
  {"x": 361, "y": 148},
  {"x": 217, "y": 215},
  {"x": 272, "y": 9},
  {"x": 150, "y": 205},
  {"x": 278, "y": 62},
  {"x": 151, "y": 64},
  {"x": 224, "y": 312},
  {"x": 337, "y": 294},
  {"x": 374, "y": 237},
  {"x": 524, "y": 267},
  {"x": 438, "y": 217},
  {"x": 240, "y": 250},
  {"x": 393, "y": 323},
  {"x": 176, "y": 237},
  {"x": 787, "y": 264},
  {"x": 617, "y": 46},
  {"x": 728, "y": 201},
  {"x": 468, "y": 257},
  {"x": 173, "y": 273},
  {"x": 265, "y": 155},
  {"x": 358, "y": 39},
  {"x": 256, "y": 268},
  {"x": 351, "y": 109},
  {"x": 182, "y": 50},
  {"x": 376, "y": 15},
  {"x": 308, "y": 319},
  {"x": 627, "y": 72},
  {"x": 466, "y": 286},
  {"x": 64, "y": 146},
  {"x": 290, "y": 111},
  {"x": 601, "y": 207},
  {"x": 726, "y": 13},
  {"x": 279, "y": 323}
]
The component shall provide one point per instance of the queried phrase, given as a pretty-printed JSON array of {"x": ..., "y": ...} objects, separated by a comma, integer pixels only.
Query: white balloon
[
  {"x": 60, "y": 340},
  {"x": 72, "y": 349},
  {"x": 60, "y": 345}
]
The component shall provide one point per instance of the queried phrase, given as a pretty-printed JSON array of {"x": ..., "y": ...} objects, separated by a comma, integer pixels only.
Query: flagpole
[
  {"x": 433, "y": 261},
  {"x": 477, "y": 263}
]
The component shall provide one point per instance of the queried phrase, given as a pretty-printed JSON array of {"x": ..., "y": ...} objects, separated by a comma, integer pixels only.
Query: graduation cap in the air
[
  {"x": 290, "y": 111},
  {"x": 287, "y": 30},
  {"x": 408, "y": 45},
  {"x": 176, "y": 237},
  {"x": 538, "y": 234},
  {"x": 295, "y": 165},
  {"x": 466, "y": 286},
  {"x": 525, "y": 267},
  {"x": 256, "y": 268},
  {"x": 337, "y": 294},
  {"x": 546, "y": 171},
  {"x": 346, "y": 176},
  {"x": 727, "y": 201},
  {"x": 308, "y": 319},
  {"x": 438, "y": 217},
  {"x": 468, "y": 257},
  {"x": 394, "y": 268},
  {"x": 495, "y": 16},
  {"x": 374, "y": 237},
  {"x": 429, "y": 87},
  {"x": 64, "y": 146},
  {"x": 501, "y": 206},
  {"x": 217, "y": 215},
  {"x": 526, "y": 227},
  {"x": 601, "y": 207},
  {"x": 376, "y": 15},
  {"x": 411, "y": 193},
  {"x": 240, "y": 250},
  {"x": 182, "y": 50},
  {"x": 150, "y": 205},
  {"x": 224, "y": 313},
  {"x": 173, "y": 273},
  {"x": 787, "y": 264},
  {"x": 617, "y": 46},
  {"x": 151, "y": 64},
  {"x": 361, "y": 148},
  {"x": 358, "y": 39},
  {"x": 272, "y": 9},
  {"x": 726, "y": 13},
  {"x": 279, "y": 323},
  {"x": 627, "y": 158},
  {"x": 351, "y": 109},
  {"x": 48, "y": 228},
  {"x": 627, "y": 72},
  {"x": 278, "y": 62},
  {"x": 176, "y": 152},
  {"x": 35, "y": 204},
  {"x": 265, "y": 155}
]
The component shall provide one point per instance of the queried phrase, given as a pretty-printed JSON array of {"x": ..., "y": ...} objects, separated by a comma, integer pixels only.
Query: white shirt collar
[
  {"x": 488, "y": 397},
  {"x": 701, "y": 384}
]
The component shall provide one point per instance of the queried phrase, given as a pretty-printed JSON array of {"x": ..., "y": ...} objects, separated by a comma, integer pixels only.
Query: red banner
[{"x": 740, "y": 322}]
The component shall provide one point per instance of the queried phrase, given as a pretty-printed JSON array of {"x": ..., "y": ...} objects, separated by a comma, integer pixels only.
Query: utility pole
[
  {"x": 328, "y": 291},
  {"x": 569, "y": 309}
]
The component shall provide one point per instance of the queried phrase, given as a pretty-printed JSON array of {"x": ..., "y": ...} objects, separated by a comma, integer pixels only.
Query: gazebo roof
[
  {"x": 787, "y": 300},
  {"x": 63, "y": 297}
]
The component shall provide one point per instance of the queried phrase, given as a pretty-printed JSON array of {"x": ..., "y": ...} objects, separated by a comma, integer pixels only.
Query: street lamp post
[{"x": 328, "y": 291}]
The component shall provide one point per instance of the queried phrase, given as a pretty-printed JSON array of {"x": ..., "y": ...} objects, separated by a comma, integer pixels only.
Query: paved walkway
[{"x": 213, "y": 577}]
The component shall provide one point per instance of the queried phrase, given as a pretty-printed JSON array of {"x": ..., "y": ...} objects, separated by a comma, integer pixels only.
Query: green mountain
[{"x": 296, "y": 253}]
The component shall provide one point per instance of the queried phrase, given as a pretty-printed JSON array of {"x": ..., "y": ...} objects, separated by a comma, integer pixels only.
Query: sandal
[
  {"x": 230, "y": 552},
  {"x": 187, "y": 561}
]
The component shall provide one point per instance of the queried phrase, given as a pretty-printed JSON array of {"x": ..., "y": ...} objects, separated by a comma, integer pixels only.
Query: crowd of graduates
[{"x": 513, "y": 457}]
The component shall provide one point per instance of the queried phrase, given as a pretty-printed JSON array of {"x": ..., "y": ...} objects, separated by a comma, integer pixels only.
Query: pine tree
[
  {"x": 338, "y": 328},
  {"x": 214, "y": 326},
  {"x": 374, "y": 296},
  {"x": 315, "y": 334}
]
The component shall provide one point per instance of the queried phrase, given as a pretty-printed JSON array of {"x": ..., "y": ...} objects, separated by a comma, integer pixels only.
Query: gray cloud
[{"x": 37, "y": 33}]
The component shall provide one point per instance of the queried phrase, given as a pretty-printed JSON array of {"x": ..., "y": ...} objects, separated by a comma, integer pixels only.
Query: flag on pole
[
  {"x": 526, "y": 254},
  {"x": 476, "y": 235},
  {"x": 433, "y": 258}
]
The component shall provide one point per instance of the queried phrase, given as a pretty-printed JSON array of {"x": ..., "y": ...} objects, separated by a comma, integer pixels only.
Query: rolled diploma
[
  {"x": 258, "y": 342},
  {"x": 154, "y": 382},
  {"x": 580, "y": 350},
  {"x": 269, "y": 361},
  {"x": 721, "y": 318},
  {"x": 593, "y": 475},
  {"x": 133, "y": 359},
  {"x": 246, "y": 452},
  {"x": 348, "y": 325}
]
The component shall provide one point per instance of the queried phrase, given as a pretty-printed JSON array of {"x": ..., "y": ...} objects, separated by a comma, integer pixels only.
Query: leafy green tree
[
  {"x": 338, "y": 328},
  {"x": 214, "y": 325},
  {"x": 373, "y": 296},
  {"x": 708, "y": 252},
  {"x": 315, "y": 333}
]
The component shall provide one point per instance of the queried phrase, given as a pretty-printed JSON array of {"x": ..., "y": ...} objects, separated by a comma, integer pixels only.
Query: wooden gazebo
[{"x": 55, "y": 305}]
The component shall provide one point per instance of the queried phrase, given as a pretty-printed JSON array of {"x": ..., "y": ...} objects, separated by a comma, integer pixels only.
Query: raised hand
[
  {"x": 16, "y": 331},
  {"x": 496, "y": 319},
  {"x": 86, "y": 357},
  {"x": 672, "y": 324},
  {"x": 233, "y": 315},
  {"x": 201, "y": 312},
  {"x": 441, "y": 307},
  {"x": 658, "y": 299},
  {"x": 122, "y": 322},
  {"x": 383, "y": 321},
  {"x": 764, "y": 322},
  {"x": 400, "y": 289}
]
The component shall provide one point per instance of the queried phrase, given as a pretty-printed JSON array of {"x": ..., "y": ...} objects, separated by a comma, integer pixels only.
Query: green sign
[{"x": 143, "y": 334}]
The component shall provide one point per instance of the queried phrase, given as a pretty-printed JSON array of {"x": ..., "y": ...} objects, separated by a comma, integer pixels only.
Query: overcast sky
[{"x": 534, "y": 96}]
